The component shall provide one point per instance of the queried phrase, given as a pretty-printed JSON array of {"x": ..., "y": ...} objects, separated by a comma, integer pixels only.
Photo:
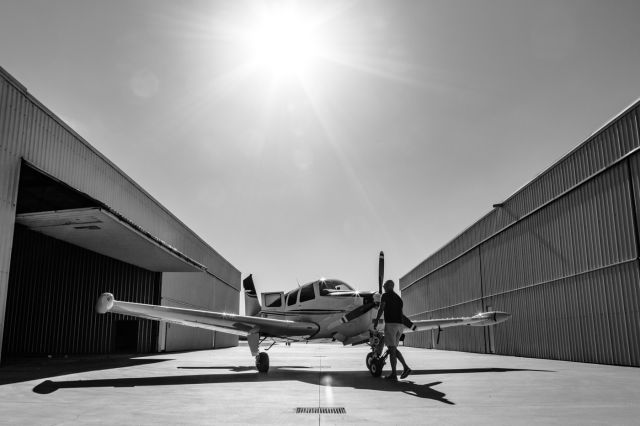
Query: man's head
[{"x": 388, "y": 286}]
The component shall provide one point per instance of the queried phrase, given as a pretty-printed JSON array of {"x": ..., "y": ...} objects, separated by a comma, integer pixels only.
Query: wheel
[
  {"x": 375, "y": 366},
  {"x": 368, "y": 361},
  {"x": 262, "y": 362}
]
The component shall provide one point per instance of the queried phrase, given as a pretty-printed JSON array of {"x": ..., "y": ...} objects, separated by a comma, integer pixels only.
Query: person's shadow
[{"x": 355, "y": 379}]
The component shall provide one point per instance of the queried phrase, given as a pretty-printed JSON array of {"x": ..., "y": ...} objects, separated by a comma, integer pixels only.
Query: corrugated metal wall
[
  {"x": 561, "y": 255},
  {"x": 197, "y": 290},
  {"x": 53, "y": 287},
  {"x": 222, "y": 302}
]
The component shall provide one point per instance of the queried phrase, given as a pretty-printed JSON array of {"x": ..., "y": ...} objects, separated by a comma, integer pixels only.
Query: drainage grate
[{"x": 321, "y": 410}]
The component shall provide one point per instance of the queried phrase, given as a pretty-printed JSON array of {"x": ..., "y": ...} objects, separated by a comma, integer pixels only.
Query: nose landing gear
[{"x": 376, "y": 360}]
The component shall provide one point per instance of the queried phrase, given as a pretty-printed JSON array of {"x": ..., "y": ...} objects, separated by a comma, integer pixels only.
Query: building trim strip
[{"x": 566, "y": 277}]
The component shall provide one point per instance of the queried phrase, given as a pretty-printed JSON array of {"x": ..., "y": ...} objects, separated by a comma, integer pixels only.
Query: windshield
[{"x": 330, "y": 286}]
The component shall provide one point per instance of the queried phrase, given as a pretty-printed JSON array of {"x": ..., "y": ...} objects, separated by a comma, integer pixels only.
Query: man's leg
[
  {"x": 406, "y": 370},
  {"x": 392, "y": 358},
  {"x": 401, "y": 358}
]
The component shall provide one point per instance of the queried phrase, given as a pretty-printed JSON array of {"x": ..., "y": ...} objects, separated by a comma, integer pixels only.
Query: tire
[
  {"x": 375, "y": 367},
  {"x": 368, "y": 360},
  {"x": 262, "y": 362}
]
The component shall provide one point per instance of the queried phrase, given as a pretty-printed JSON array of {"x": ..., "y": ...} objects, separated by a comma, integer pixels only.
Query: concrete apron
[{"x": 222, "y": 386}]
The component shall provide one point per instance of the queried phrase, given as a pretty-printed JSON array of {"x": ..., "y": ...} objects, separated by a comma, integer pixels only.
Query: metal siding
[
  {"x": 455, "y": 283},
  {"x": 587, "y": 318},
  {"x": 468, "y": 339},
  {"x": 227, "y": 300},
  {"x": 596, "y": 219},
  {"x": 50, "y": 300},
  {"x": 451, "y": 291}
]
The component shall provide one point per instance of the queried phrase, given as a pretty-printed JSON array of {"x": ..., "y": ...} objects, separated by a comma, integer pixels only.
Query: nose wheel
[
  {"x": 375, "y": 364},
  {"x": 262, "y": 362},
  {"x": 376, "y": 359}
]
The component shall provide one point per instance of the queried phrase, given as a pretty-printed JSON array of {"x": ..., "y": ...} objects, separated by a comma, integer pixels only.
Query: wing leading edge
[
  {"x": 479, "y": 320},
  {"x": 227, "y": 323}
]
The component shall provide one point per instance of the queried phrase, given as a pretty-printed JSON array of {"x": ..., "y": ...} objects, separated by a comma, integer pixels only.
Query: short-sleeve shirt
[{"x": 392, "y": 307}]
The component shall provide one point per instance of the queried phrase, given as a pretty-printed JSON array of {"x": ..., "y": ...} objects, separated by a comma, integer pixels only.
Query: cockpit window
[
  {"x": 292, "y": 297},
  {"x": 327, "y": 287},
  {"x": 306, "y": 293}
]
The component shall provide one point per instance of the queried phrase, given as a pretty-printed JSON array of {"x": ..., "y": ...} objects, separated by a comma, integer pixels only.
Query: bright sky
[{"x": 300, "y": 139}]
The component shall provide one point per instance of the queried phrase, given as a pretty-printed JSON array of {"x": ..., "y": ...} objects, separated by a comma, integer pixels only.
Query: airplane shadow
[
  {"x": 351, "y": 379},
  {"x": 27, "y": 370}
]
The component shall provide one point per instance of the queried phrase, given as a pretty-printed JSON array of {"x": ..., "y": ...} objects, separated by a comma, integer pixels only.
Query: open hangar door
[{"x": 68, "y": 249}]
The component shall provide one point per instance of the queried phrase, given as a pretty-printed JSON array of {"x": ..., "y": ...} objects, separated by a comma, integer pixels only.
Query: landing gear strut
[
  {"x": 376, "y": 359},
  {"x": 262, "y": 362}
]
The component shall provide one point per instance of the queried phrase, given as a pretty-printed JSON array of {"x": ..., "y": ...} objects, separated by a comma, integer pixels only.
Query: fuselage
[{"x": 325, "y": 303}]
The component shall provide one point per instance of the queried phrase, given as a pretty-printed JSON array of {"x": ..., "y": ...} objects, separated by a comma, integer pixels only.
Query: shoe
[
  {"x": 405, "y": 373},
  {"x": 391, "y": 378}
]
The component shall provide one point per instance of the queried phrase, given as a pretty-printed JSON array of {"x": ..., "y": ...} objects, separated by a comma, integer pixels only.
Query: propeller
[
  {"x": 367, "y": 306},
  {"x": 380, "y": 272},
  {"x": 360, "y": 310}
]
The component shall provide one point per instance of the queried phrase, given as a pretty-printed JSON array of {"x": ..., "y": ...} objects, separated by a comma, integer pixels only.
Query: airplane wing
[
  {"x": 226, "y": 323},
  {"x": 479, "y": 320}
]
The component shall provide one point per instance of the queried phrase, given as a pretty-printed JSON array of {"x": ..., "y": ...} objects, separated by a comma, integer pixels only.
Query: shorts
[{"x": 392, "y": 333}]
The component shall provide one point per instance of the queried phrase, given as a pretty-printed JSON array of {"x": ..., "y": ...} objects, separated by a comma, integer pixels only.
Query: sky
[{"x": 299, "y": 139}]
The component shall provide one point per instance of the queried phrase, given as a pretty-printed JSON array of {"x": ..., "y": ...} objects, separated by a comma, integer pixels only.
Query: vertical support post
[{"x": 10, "y": 177}]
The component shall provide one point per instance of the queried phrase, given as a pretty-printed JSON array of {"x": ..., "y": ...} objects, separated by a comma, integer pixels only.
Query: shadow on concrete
[
  {"x": 237, "y": 369},
  {"x": 353, "y": 379},
  {"x": 16, "y": 371}
]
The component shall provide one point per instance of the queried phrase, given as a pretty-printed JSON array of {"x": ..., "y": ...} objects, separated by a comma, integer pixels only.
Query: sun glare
[{"x": 283, "y": 42}]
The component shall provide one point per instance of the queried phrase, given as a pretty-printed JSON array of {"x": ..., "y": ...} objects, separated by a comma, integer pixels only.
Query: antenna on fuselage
[
  {"x": 380, "y": 272},
  {"x": 298, "y": 281}
]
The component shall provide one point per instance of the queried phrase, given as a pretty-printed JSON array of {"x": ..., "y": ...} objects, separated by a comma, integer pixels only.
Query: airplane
[{"x": 325, "y": 309}]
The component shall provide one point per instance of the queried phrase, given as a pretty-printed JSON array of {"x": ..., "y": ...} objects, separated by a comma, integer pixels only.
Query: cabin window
[
  {"x": 292, "y": 298},
  {"x": 273, "y": 300},
  {"x": 306, "y": 293}
]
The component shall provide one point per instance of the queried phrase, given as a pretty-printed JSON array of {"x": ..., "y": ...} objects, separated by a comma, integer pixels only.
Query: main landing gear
[
  {"x": 376, "y": 359},
  {"x": 262, "y": 362}
]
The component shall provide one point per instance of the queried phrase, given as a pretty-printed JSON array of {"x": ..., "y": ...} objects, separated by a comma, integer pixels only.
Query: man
[{"x": 391, "y": 305}]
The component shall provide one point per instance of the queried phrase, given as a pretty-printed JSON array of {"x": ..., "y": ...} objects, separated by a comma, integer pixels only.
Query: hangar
[
  {"x": 72, "y": 226},
  {"x": 560, "y": 254}
]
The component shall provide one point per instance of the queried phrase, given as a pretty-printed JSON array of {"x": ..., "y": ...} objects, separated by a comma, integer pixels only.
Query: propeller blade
[
  {"x": 360, "y": 310},
  {"x": 380, "y": 272}
]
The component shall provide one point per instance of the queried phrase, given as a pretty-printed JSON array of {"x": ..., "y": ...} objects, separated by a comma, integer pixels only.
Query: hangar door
[
  {"x": 53, "y": 287},
  {"x": 68, "y": 249}
]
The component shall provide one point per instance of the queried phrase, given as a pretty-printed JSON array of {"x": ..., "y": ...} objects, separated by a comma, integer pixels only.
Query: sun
[{"x": 284, "y": 42}]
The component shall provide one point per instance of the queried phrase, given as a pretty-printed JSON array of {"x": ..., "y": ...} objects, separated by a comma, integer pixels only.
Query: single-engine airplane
[{"x": 326, "y": 309}]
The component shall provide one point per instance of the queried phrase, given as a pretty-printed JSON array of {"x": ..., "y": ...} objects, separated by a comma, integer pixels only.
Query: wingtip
[{"x": 105, "y": 303}]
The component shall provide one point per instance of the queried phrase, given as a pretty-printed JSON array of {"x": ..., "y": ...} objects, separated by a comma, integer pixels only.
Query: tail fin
[{"x": 251, "y": 304}]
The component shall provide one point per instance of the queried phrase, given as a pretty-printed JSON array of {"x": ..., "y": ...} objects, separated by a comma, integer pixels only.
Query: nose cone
[{"x": 105, "y": 303}]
